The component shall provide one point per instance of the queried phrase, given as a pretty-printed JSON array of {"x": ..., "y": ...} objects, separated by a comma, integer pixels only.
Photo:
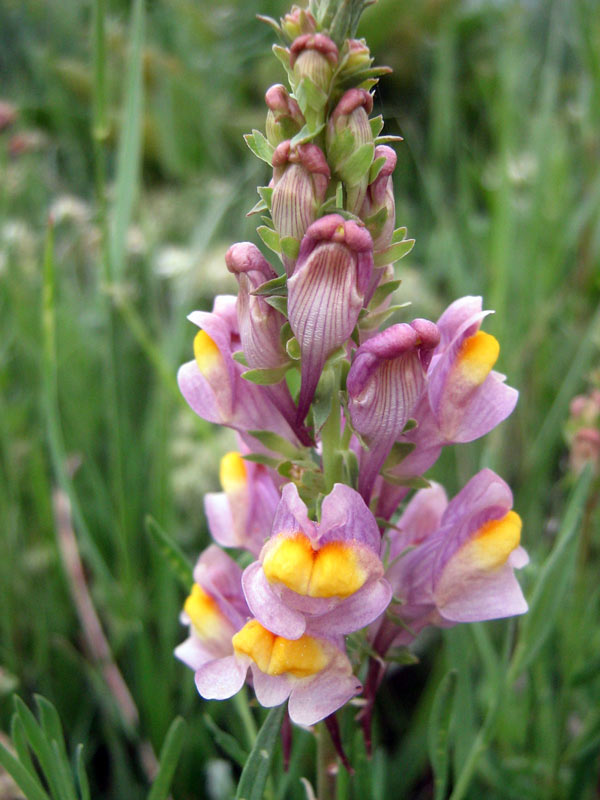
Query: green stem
[
  {"x": 240, "y": 701},
  {"x": 326, "y": 764},
  {"x": 331, "y": 440}
]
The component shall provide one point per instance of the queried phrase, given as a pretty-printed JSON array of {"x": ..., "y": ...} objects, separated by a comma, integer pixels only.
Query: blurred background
[{"x": 132, "y": 147}]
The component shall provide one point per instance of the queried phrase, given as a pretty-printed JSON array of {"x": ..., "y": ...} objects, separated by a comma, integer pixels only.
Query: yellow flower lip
[
  {"x": 275, "y": 655},
  {"x": 333, "y": 570},
  {"x": 233, "y": 473},
  {"x": 477, "y": 356},
  {"x": 207, "y": 354},
  {"x": 204, "y": 613},
  {"x": 495, "y": 541}
]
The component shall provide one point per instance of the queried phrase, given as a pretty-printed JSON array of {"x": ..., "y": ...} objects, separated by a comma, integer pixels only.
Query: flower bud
[
  {"x": 349, "y": 130},
  {"x": 380, "y": 195},
  {"x": 297, "y": 22},
  {"x": 326, "y": 293},
  {"x": 385, "y": 381},
  {"x": 314, "y": 56},
  {"x": 284, "y": 118},
  {"x": 300, "y": 176},
  {"x": 359, "y": 56},
  {"x": 260, "y": 324}
]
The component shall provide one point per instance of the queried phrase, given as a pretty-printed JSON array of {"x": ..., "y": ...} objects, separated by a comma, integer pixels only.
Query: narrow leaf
[
  {"x": 278, "y": 303},
  {"x": 265, "y": 377},
  {"x": 179, "y": 563},
  {"x": 259, "y": 458},
  {"x": 393, "y": 253},
  {"x": 40, "y": 746},
  {"x": 169, "y": 756},
  {"x": 260, "y": 146},
  {"x": 266, "y": 192},
  {"x": 382, "y": 292},
  {"x": 376, "y": 125},
  {"x": 358, "y": 164},
  {"x": 19, "y": 740},
  {"x": 399, "y": 451},
  {"x": 276, "y": 443},
  {"x": 276, "y": 286},
  {"x": 290, "y": 246},
  {"x": 256, "y": 772},
  {"x": 306, "y": 134},
  {"x": 376, "y": 168}
]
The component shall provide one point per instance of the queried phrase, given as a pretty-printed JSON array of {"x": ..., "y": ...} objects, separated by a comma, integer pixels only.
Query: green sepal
[
  {"x": 350, "y": 465},
  {"x": 373, "y": 319},
  {"x": 276, "y": 286},
  {"x": 266, "y": 193},
  {"x": 270, "y": 238},
  {"x": 285, "y": 333},
  {"x": 265, "y": 377},
  {"x": 388, "y": 139},
  {"x": 376, "y": 222},
  {"x": 277, "y": 443},
  {"x": 393, "y": 253},
  {"x": 358, "y": 164},
  {"x": 376, "y": 124},
  {"x": 259, "y": 458},
  {"x": 272, "y": 24},
  {"x": 369, "y": 84},
  {"x": 401, "y": 655},
  {"x": 310, "y": 97},
  {"x": 293, "y": 349},
  {"x": 257, "y": 208},
  {"x": 399, "y": 235},
  {"x": 399, "y": 451},
  {"x": 306, "y": 134},
  {"x": 382, "y": 292},
  {"x": 282, "y": 54},
  {"x": 321, "y": 404},
  {"x": 330, "y": 206},
  {"x": 411, "y": 424},
  {"x": 240, "y": 357},
  {"x": 260, "y": 146},
  {"x": 376, "y": 168},
  {"x": 290, "y": 246},
  {"x": 341, "y": 147},
  {"x": 411, "y": 483},
  {"x": 278, "y": 303}
]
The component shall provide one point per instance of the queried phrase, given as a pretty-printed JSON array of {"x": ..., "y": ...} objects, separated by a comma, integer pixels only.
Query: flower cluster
[{"x": 337, "y": 419}]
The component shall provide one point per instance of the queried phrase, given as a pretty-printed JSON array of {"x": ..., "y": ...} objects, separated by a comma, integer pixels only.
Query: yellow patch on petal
[
  {"x": 275, "y": 655},
  {"x": 206, "y": 352},
  {"x": 477, "y": 356},
  {"x": 495, "y": 541},
  {"x": 233, "y": 474},
  {"x": 204, "y": 613},
  {"x": 332, "y": 571}
]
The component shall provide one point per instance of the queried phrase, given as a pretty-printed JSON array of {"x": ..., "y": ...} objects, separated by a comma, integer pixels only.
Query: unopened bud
[
  {"x": 300, "y": 176},
  {"x": 298, "y": 22},
  {"x": 351, "y": 115},
  {"x": 314, "y": 56},
  {"x": 284, "y": 118}
]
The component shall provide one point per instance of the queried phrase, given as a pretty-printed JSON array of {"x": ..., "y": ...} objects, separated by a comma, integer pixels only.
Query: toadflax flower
[
  {"x": 462, "y": 566},
  {"x": 214, "y": 610},
  {"x": 242, "y": 514},
  {"x": 313, "y": 671},
  {"x": 326, "y": 575},
  {"x": 212, "y": 383}
]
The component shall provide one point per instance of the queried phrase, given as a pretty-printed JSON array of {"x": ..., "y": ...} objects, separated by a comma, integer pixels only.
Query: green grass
[{"x": 141, "y": 108}]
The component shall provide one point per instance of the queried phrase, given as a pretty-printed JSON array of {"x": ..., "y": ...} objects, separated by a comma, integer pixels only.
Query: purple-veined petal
[
  {"x": 464, "y": 595},
  {"x": 313, "y": 700},
  {"x": 490, "y": 406},
  {"x": 345, "y": 516},
  {"x": 193, "y": 653},
  {"x": 326, "y": 294},
  {"x": 291, "y": 514}
]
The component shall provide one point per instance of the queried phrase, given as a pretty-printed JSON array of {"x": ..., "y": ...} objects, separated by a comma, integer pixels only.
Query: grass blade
[
  {"x": 256, "y": 772},
  {"x": 22, "y": 777},
  {"x": 226, "y": 742},
  {"x": 553, "y": 581},
  {"x": 130, "y": 142},
  {"x": 82, "y": 780},
  {"x": 439, "y": 732},
  {"x": 178, "y": 561},
  {"x": 169, "y": 756}
]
